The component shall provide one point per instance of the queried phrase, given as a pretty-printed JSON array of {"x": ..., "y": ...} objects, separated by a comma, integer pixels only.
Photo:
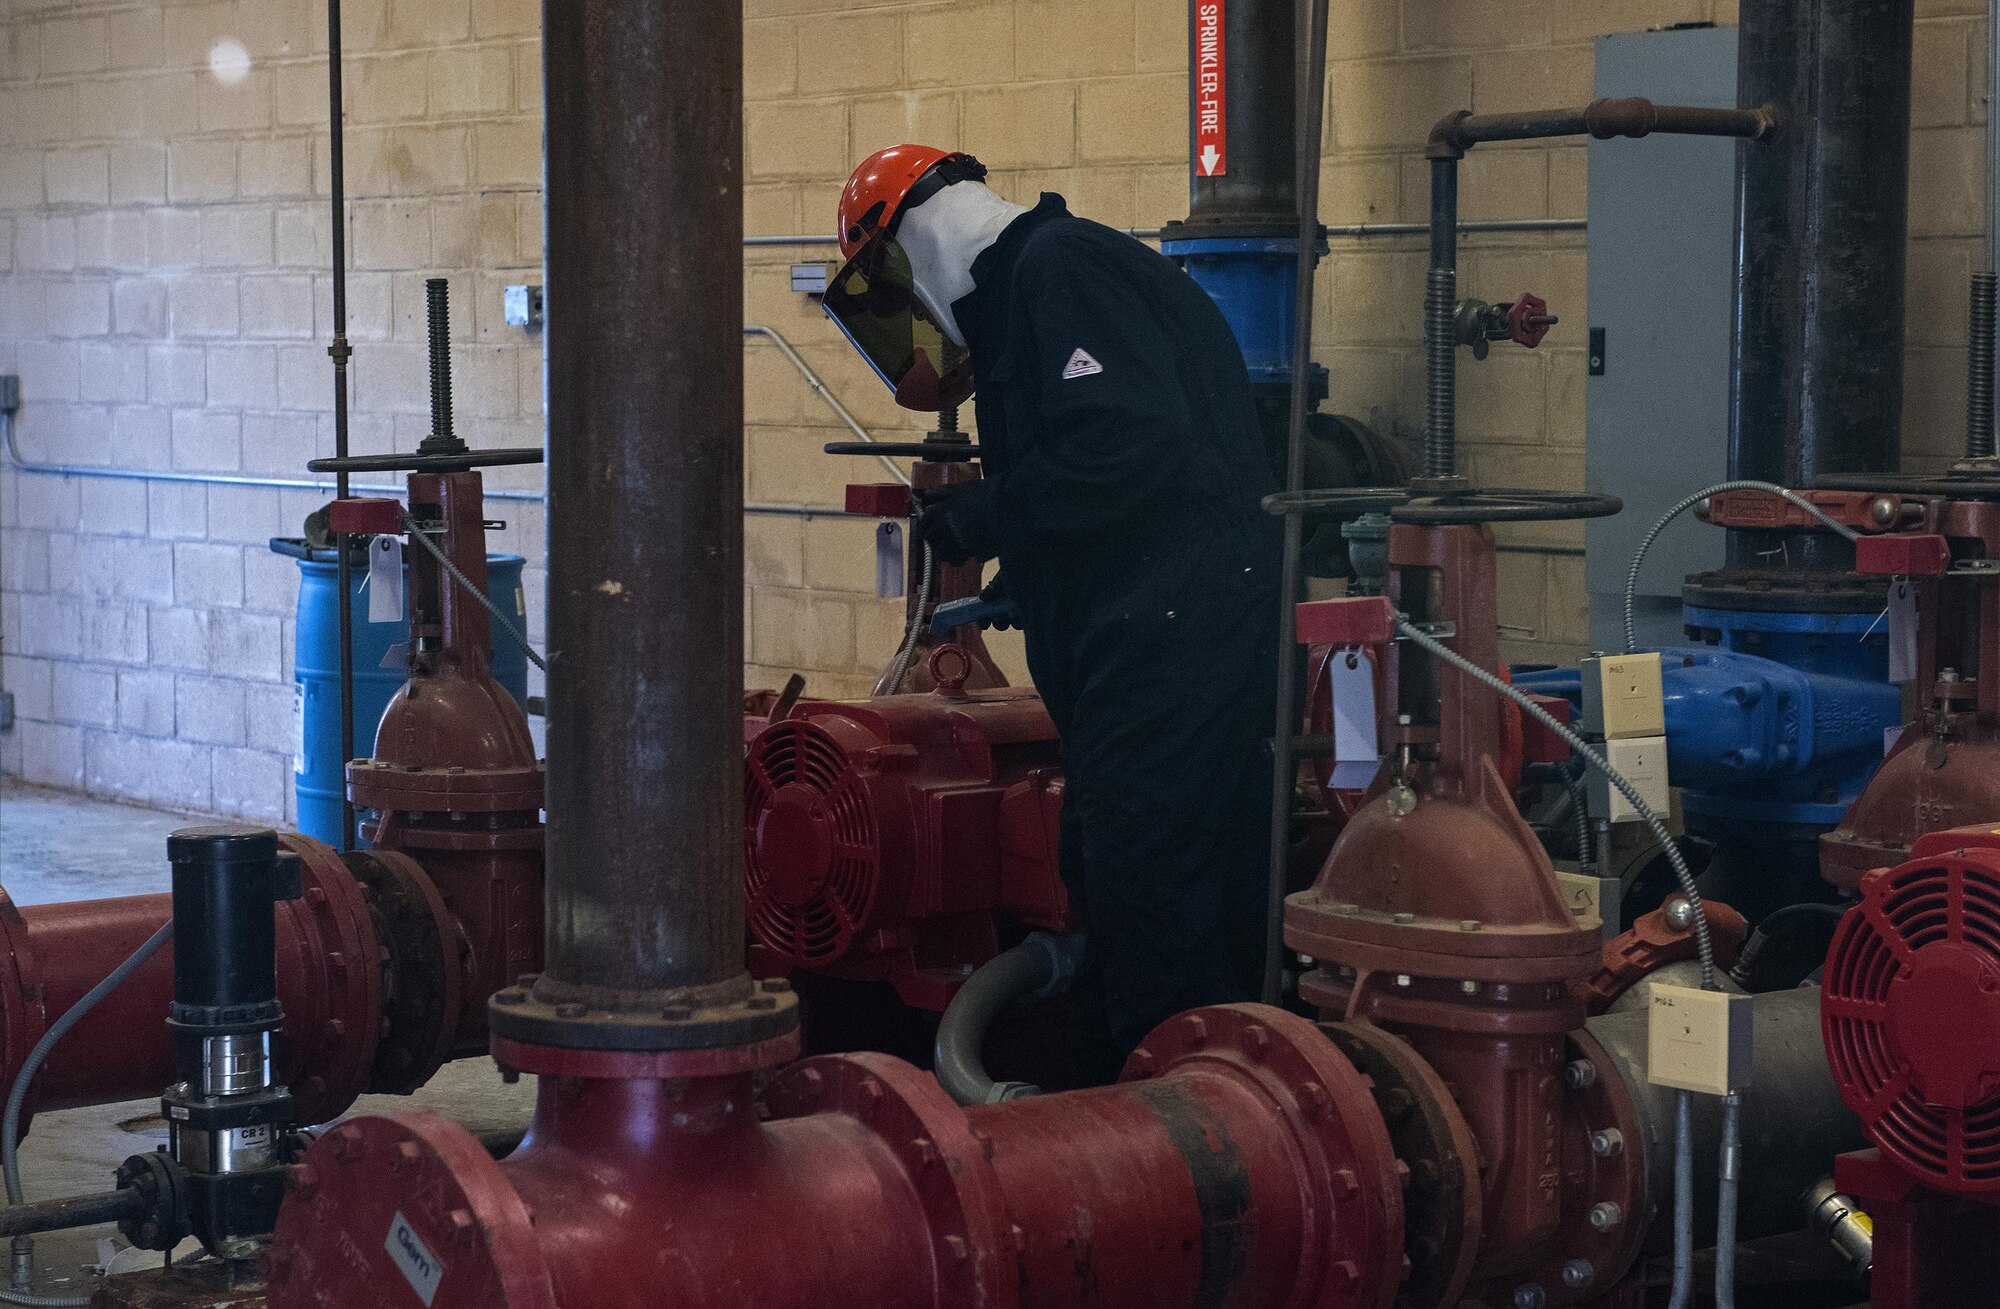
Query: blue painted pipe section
[
  {"x": 1781, "y": 719},
  {"x": 319, "y": 773},
  {"x": 1777, "y": 725},
  {"x": 1253, "y": 280}
]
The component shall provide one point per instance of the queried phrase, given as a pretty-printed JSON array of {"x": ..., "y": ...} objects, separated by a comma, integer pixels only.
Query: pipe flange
[
  {"x": 426, "y": 986},
  {"x": 379, "y": 784},
  {"x": 738, "y": 1015},
  {"x": 1354, "y": 1259},
  {"x": 943, "y": 1155},
  {"x": 324, "y": 1057},
  {"x": 1604, "y": 1200},
  {"x": 441, "y": 1218},
  {"x": 1442, "y": 1206}
]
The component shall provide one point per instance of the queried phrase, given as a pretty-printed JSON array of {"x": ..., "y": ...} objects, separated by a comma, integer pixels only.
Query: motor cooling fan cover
[
  {"x": 1911, "y": 1011},
  {"x": 812, "y": 843}
]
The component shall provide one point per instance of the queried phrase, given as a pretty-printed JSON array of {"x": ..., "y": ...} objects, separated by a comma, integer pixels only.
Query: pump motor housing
[{"x": 897, "y": 839}]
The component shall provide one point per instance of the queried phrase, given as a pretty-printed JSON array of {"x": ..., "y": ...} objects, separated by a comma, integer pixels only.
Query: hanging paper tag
[
  {"x": 888, "y": 560},
  {"x": 1356, "y": 755},
  {"x": 1902, "y": 630},
  {"x": 396, "y": 656},
  {"x": 385, "y": 579}
]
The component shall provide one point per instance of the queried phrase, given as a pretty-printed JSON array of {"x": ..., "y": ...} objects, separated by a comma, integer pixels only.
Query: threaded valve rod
[
  {"x": 437, "y": 310},
  {"x": 1441, "y": 373},
  {"x": 1979, "y": 441}
]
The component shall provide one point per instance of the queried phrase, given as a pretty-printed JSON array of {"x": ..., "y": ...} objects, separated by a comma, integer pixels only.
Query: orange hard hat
[{"x": 893, "y": 180}]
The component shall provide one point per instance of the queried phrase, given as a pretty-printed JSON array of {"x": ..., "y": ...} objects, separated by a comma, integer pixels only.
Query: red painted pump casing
[
  {"x": 893, "y": 838},
  {"x": 1911, "y": 1011},
  {"x": 1240, "y": 1161},
  {"x": 454, "y": 783},
  {"x": 1911, "y": 1014},
  {"x": 1437, "y": 922}
]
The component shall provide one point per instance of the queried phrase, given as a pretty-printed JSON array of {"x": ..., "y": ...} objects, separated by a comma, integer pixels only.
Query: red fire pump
[
  {"x": 886, "y": 839},
  {"x": 1911, "y": 1013}
]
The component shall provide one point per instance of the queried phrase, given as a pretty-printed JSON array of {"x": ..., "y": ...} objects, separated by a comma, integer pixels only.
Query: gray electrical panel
[{"x": 1662, "y": 232}]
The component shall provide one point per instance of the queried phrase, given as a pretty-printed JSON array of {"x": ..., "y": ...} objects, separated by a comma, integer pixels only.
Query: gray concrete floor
[{"x": 56, "y": 847}]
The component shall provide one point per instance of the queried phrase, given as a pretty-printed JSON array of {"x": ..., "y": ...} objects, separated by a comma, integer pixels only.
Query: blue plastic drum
[{"x": 319, "y": 772}]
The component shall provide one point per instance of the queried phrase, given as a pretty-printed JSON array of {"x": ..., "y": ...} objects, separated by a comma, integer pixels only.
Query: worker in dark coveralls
[{"x": 1123, "y": 469}]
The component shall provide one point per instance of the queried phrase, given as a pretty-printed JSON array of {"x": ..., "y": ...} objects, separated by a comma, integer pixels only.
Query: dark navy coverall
[{"x": 1124, "y": 467}]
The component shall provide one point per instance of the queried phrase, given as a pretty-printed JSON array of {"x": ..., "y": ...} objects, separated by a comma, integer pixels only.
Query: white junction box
[
  {"x": 1642, "y": 761},
  {"x": 1623, "y": 697},
  {"x": 1698, "y": 1040}
]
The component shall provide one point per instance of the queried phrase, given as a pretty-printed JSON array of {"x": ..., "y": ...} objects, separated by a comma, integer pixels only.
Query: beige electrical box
[
  {"x": 1698, "y": 1040},
  {"x": 1622, "y": 697},
  {"x": 1588, "y": 897},
  {"x": 1642, "y": 761}
]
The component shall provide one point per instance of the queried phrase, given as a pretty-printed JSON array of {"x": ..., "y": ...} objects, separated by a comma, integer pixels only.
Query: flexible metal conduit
[{"x": 805, "y": 370}]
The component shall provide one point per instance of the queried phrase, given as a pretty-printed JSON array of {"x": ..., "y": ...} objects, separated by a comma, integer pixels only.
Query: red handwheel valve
[{"x": 1529, "y": 320}]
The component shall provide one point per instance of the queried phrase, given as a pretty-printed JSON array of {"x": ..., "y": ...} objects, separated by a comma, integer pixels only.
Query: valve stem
[{"x": 437, "y": 311}]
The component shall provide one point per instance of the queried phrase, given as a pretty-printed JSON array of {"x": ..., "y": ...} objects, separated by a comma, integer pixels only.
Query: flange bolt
[
  {"x": 1529, "y": 1295},
  {"x": 1607, "y": 1142},
  {"x": 1580, "y": 1074},
  {"x": 1680, "y": 914},
  {"x": 1578, "y": 1273},
  {"x": 1604, "y": 1215}
]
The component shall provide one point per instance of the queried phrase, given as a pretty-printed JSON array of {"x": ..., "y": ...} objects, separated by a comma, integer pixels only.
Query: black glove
[
  {"x": 1005, "y": 615},
  {"x": 931, "y": 519}
]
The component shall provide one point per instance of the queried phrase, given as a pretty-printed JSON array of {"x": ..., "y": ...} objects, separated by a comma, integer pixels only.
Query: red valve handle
[{"x": 1529, "y": 320}]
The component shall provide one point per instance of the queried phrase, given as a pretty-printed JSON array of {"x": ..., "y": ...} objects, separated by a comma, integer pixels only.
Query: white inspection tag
[
  {"x": 1902, "y": 630},
  {"x": 1356, "y": 754},
  {"x": 888, "y": 560},
  {"x": 422, "y": 1269},
  {"x": 385, "y": 579}
]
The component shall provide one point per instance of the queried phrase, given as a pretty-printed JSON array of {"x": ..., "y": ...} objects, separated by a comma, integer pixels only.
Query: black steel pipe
[
  {"x": 643, "y": 132},
  {"x": 1254, "y": 60},
  {"x": 1602, "y": 119},
  {"x": 340, "y": 352},
  {"x": 1816, "y": 383},
  {"x": 30, "y": 1217},
  {"x": 1457, "y": 133}
]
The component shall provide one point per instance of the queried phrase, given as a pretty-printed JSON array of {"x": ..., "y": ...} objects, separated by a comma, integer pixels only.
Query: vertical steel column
[
  {"x": 645, "y": 383},
  {"x": 1817, "y": 380}
]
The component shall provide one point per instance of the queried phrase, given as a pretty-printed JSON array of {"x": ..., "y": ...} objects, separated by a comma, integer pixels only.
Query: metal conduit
[
  {"x": 1333, "y": 231},
  {"x": 785, "y": 347}
]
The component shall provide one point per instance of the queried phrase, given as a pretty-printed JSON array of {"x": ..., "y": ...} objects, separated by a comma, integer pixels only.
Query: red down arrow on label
[{"x": 1211, "y": 117}]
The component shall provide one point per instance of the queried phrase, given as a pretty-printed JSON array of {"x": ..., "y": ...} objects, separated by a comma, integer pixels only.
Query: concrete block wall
[
  {"x": 164, "y": 297},
  {"x": 163, "y": 293}
]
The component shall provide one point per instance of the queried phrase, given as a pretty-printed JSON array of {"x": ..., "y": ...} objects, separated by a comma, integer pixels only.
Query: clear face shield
[{"x": 873, "y": 300}]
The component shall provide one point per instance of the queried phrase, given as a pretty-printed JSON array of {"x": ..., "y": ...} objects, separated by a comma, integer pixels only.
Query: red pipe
[
  {"x": 329, "y": 981},
  {"x": 1241, "y": 1162}
]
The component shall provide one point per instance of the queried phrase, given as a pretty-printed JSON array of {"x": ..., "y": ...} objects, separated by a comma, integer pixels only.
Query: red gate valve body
[
  {"x": 364, "y": 516},
  {"x": 1347, "y": 622},
  {"x": 1529, "y": 320}
]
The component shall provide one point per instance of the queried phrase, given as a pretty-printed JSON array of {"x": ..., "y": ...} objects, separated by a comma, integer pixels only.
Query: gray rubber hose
[{"x": 1041, "y": 966}]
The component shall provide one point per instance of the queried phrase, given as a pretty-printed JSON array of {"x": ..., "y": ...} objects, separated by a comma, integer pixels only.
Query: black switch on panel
[{"x": 1597, "y": 352}]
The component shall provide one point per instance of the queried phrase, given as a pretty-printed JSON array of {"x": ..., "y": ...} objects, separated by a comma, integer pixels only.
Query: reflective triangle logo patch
[{"x": 1081, "y": 365}]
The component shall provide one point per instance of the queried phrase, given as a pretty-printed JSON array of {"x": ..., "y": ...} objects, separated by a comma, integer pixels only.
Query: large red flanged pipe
[
  {"x": 1240, "y": 1162},
  {"x": 329, "y": 981}
]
